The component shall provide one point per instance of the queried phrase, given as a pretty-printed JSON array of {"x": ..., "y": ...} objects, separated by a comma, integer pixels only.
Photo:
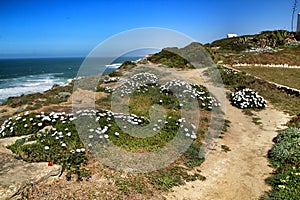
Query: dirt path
[{"x": 239, "y": 173}]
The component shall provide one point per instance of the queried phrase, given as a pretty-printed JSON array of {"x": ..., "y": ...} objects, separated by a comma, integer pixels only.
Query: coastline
[{"x": 40, "y": 81}]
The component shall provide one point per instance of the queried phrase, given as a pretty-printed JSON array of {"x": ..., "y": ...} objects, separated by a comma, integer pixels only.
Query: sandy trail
[{"x": 239, "y": 173}]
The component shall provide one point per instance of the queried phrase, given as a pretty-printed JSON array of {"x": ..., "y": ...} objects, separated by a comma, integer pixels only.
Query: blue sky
[{"x": 51, "y": 28}]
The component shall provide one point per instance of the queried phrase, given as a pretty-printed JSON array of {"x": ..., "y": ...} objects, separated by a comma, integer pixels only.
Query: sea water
[{"x": 25, "y": 76}]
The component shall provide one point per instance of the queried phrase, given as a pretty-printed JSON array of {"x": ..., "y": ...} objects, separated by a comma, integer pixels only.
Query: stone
[{"x": 17, "y": 176}]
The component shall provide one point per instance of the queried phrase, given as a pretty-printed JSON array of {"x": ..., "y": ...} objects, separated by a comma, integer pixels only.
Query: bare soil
[{"x": 241, "y": 172}]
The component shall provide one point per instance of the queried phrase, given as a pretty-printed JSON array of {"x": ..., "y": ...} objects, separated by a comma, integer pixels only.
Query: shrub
[
  {"x": 285, "y": 157},
  {"x": 115, "y": 73},
  {"x": 247, "y": 98},
  {"x": 287, "y": 148}
]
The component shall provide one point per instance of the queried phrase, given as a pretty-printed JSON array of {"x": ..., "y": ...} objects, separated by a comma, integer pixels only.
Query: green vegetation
[
  {"x": 193, "y": 156},
  {"x": 256, "y": 120},
  {"x": 238, "y": 80},
  {"x": 53, "y": 137},
  {"x": 172, "y": 176},
  {"x": 115, "y": 73},
  {"x": 59, "y": 144},
  {"x": 127, "y": 65},
  {"x": 285, "y": 158},
  {"x": 170, "y": 59},
  {"x": 270, "y": 47},
  {"x": 273, "y": 39},
  {"x": 191, "y": 56}
]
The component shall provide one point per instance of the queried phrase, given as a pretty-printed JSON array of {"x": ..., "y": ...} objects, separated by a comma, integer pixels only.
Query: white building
[{"x": 231, "y": 35}]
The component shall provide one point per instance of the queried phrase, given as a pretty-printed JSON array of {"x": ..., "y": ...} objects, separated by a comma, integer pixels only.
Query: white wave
[
  {"x": 116, "y": 65},
  {"x": 28, "y": 84}
]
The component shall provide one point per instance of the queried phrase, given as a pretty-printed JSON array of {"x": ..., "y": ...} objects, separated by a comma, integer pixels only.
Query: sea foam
[{"x": 29, "y": 84}]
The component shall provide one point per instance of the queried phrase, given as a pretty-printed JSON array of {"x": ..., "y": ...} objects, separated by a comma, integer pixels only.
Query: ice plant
[{"x": 247, "y": 98}]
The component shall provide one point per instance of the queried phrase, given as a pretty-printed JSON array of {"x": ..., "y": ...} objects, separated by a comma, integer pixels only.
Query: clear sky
[{"x": 45, "y": 28}]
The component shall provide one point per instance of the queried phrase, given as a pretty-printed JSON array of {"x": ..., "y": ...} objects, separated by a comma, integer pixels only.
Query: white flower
[
  {"x": 117, "y": 134},
  {"x": 69, "y": 134},
  {"x": 193, "y": 136},
  {"x": 193, "y": 126},
  {"x": 46, "y": 147},
  {"x": 63, "y": 145},
  {"x": 40, "y": 124},
  {"x": 281, "y": 186}
]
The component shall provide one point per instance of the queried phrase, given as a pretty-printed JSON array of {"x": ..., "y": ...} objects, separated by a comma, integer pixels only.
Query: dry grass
[
  {"x": 288, "y": 56},
  {"x": 285, "y": 76}
]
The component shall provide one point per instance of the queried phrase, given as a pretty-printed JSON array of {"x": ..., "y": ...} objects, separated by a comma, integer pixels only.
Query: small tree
[{"x": 295, "y": 5}]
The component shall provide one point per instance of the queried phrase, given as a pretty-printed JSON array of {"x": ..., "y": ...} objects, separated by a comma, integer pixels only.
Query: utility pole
[
  {"x": 298, "y": 24},
  {"x": 295, "y": 5}
]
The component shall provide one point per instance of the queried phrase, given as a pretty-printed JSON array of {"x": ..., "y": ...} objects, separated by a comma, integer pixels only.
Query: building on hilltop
[{"x": 231, "y": 35}]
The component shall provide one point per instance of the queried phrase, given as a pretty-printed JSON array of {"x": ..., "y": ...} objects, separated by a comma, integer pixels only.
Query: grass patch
[
  {"x": 256, "y": 120},
  {"x": 284, "y": 76},
  {"x": 193, "y": 156},
  {"x": 248, "y": 112},
  {"x": 280, "y": 99}
]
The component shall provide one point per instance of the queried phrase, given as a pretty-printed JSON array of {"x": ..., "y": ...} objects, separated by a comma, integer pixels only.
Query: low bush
[
  {"x": 247, "y": 98},
  {"x": 285, "y": 158}
]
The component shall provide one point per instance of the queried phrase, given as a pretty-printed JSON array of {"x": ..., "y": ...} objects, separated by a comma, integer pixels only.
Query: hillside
[
  {"x": 268, "y": 47},
  {"x": 191, "y": 56}
]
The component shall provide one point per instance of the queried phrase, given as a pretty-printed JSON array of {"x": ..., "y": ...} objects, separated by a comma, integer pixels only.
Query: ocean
[{"x": 31, "y": 75}]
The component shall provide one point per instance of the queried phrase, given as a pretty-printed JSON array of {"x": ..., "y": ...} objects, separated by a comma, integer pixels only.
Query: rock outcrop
[{"x": 16, "y": 175}]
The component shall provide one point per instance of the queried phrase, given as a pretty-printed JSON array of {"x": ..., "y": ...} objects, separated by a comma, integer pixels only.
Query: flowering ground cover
[
  {"x": 247, "y": 98},
  {"x": 53, "y": 137},
  {"x": 285, "y": 158}
]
